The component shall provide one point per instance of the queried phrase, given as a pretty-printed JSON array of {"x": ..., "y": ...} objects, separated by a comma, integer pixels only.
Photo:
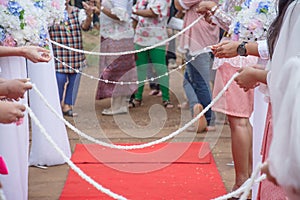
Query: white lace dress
[
  {"x": 42, "y": 152},
  {"x": 14, "y": 140},
  {"x": 284, "y": 86}
]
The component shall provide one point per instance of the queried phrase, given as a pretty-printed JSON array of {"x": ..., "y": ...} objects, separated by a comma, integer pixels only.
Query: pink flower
[
  {"x": 9, "y": 41},
  {"x": 145, "y": 34},
  {"x": 139, "y": 40},
  {"x": 3, "y": 2},
  {"x": 255, "y": 24},
  {"x": 235, "y": 37},
  {"x": 31, "y": 21},
  {"x": 155, "y": 21},
  {"x": 159, "y": 37},
  {"x": 55, "y": 4}
]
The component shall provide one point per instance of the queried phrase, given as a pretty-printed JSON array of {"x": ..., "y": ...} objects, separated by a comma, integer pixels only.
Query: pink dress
[
  {"x": 235, "y": 101},
  {"x": 267, "y": 190}
]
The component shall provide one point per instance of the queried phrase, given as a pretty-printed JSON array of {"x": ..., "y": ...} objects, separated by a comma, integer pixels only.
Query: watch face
[{"x": 241, "y": 50}]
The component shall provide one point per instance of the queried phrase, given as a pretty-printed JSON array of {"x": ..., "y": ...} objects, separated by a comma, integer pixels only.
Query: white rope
[
  {"x": 129, "y": 52},
  {"x": 69, "y": 162},
  {"x": 246, "y": 187},
  {"x": 204, "y": 50},
  {"x": 130, "y": 147},
  {"x": 2, "y": 196},
  {"x": 251, "y": 182}
]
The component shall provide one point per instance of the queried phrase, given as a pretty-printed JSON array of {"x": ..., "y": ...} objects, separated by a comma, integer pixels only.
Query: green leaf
[
  {"x": 264, "y": 10},
  {"x": 22, "y": 15},
  {"x": 238, "y": 8},
  {"x": 22, "y": 25}
]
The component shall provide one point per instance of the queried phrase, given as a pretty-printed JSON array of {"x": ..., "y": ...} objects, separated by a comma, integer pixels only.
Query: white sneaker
[{"x": 121, "y": 110}]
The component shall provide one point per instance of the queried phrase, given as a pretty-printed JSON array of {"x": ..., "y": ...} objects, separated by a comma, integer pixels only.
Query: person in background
[
  {"x": 150, "y": 17},
  {"x": 116, "y": 36},
  {"x": 79, "y": 4},
  {"x": 70, "y": 34},
  {"x": 197, "y": 73}
]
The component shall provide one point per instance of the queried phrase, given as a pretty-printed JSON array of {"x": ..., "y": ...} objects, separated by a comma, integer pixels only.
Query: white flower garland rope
[
  {"x": 204, "y": 50},
  {"x": 130, "y": 147},
  {"x": 129, "y": 52},
  {"x": 244, "y": 189},
  {"x": 69, "y": 162}
]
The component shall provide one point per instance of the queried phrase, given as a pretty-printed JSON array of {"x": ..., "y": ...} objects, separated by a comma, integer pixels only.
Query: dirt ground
[{"x": 143, "y": 124}]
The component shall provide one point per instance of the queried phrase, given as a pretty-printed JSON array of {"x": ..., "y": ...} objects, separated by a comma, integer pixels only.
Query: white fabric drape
[
  {"x": 284, "y": 85},
  {"x": 41, "y": 152},
  {"x": 14, "y": 140}
]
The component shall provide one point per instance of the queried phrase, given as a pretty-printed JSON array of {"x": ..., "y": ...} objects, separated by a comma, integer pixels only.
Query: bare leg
[
  {"x": 241, "y": 140},
  {"x": 201, "y": 124}
]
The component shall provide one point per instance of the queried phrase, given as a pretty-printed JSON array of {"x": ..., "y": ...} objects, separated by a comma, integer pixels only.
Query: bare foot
[{"x": 201, "y": 125}]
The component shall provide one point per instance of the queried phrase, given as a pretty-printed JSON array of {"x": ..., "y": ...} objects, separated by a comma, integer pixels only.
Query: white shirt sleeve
[{"x": 263, "y": 49}]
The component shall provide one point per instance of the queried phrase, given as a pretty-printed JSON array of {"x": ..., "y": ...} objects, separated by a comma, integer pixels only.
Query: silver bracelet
[{"x": 213, "y": 9}]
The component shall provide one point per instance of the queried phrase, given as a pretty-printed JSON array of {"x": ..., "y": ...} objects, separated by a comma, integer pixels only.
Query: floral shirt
[
  {"x": 150, "y": 31},
  {"x": 117, "y": 29}
]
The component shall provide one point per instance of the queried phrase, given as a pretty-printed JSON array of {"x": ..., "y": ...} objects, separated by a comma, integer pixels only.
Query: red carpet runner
[{"x": 146, "y": 174}]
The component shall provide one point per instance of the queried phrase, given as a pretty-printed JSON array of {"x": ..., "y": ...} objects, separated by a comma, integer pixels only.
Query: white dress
[
  {"x": 284, "y": 85},
  {"x": 14, "y": 140},
  {"x": 258, "y": 118},
  {"x": 42, "y": 152}
]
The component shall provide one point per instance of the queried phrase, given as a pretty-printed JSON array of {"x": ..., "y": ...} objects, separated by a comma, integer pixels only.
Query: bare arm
[
  {"x": 250, "y": 77},
  {"x": 88, "y": 20},
  {"x": 14, "y": 89},
  {"x": 11, "y": 112},
  {"x": 146, "y": 13},
  {"x": 33, "y": 53},
  {"x": 178, "y": 6},
  {"x": 228, "y": 49}
]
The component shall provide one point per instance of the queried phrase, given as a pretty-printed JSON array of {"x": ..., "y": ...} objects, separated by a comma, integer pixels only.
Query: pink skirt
[
  {"x": 3, "y": 168},
  {"x": 235, "y": 101},
  {"x": 267, "y": 190}
]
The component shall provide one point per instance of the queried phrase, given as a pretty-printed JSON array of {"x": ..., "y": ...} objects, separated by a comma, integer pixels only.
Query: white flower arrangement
[
  {"x": 253, "y": 20},
  {"x": 25, "y": 22}
]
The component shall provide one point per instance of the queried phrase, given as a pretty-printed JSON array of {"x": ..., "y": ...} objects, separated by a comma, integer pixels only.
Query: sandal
[
  {"x": 168, "y": 104},
  {"x": 70, "y": 113},
  {"x": 135, "y": 103}
]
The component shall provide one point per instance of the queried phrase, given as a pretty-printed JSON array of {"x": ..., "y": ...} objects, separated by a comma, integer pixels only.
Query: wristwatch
[{"x": 241, "y": 50}]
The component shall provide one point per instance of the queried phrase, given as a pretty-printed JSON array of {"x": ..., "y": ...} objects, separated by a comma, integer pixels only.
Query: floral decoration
[
  {"x": 25, "y": 22},
  {"x": 253, "y": 20}
]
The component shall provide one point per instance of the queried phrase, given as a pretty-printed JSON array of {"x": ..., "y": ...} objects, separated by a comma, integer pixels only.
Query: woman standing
[
  {"x": 283, "y": 82},
  {"x": 236, "y": 104},
  {"x": 116, "y": 36},
  {"x": 151, "y": 17}
]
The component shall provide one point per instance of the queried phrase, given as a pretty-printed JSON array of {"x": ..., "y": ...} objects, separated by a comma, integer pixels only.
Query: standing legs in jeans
[
  {"x": 196, "y": 83},
  {"x": 71, "y": 90}
]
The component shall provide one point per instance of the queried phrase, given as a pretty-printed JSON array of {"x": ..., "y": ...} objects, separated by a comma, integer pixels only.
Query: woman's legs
[
  {"x": 72, "y": 88},
  {"x": 241, "y": 144},
  {"x": 141, "y": 66},
  {"x": 158, "y": 58},
  {"x": 61, "y": 79}
]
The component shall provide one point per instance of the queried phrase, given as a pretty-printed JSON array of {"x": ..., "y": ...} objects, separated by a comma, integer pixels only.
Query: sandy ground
[{"x": 146, "y": 123}]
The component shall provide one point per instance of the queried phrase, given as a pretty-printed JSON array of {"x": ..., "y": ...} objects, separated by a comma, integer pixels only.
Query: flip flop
[{"x": 70, "y": 113}]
